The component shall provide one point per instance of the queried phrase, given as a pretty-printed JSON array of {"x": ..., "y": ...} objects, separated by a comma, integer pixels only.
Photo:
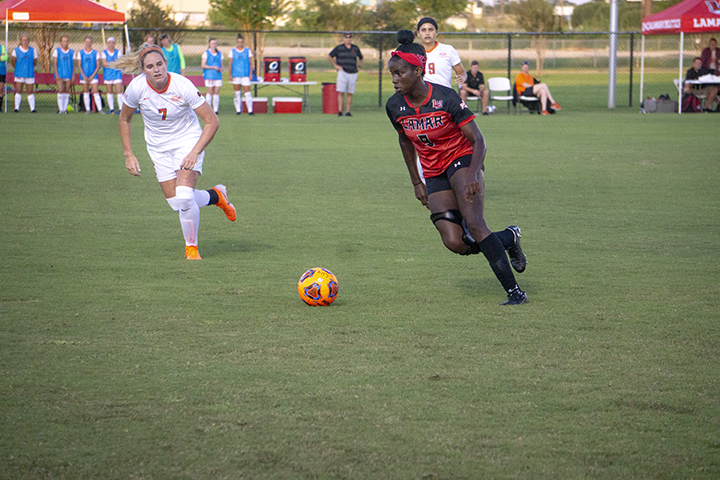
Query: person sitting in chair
[
  {"x": 528, "y": 86},
  {"x": 709, "y": 90},
  {"x": 475, "y": 85}
]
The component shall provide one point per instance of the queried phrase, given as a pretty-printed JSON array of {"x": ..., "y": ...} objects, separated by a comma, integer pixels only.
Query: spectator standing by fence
[
  {"x": 347, "y": 59},
  {"x": 212, "y": 59},
  {"x": 112, "y": 76},
  {"x": 442, "y": 59},
  {"x": 475, "y": 85},
  {"x": 64, "y": 63},
  {"x": 23, "y": 60},
  {"x": 175, "y": 57},
  {"x": 240, "y": 70},
  {"x": 88, "y": 66},
  {"x": 710, "y": 56},
  {"x": 3, "y": 74}
]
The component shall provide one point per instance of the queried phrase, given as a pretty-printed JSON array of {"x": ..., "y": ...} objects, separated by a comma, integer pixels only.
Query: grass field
[{"x": 119, "y": 359}]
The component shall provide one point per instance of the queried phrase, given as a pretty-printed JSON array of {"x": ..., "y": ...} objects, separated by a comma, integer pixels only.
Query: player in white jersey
[
  {"x": 170, "y": 105},
  {"x": 442, "y": 59}
]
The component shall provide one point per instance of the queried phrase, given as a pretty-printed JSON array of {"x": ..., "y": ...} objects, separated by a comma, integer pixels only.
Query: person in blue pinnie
[
  {"x": 88, "y": 66},
  {"x": 240, "y": 72}
]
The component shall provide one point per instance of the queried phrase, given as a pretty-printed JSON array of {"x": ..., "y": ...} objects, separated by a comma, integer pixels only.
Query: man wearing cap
[
  {"x": 442, "y": 59},
  {"x": 346, "y": 59},
  {"x": 526, "y": 84},
  {"x": 173, "y": 54}
]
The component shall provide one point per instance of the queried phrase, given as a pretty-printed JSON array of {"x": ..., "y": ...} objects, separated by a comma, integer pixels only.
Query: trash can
[{"x": 329, "y": 97}]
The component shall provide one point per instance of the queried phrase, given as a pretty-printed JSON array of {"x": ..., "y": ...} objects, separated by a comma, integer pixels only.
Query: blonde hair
[{"x": 130, "y": 63}]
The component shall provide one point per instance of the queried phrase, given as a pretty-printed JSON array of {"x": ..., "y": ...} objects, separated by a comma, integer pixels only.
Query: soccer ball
[
  {"x": 318, "y": 287},
  {"x": 490, "y": 109}
]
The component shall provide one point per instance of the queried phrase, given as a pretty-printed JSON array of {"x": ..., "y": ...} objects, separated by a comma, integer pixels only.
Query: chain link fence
[{"x": 574, "y": 65}]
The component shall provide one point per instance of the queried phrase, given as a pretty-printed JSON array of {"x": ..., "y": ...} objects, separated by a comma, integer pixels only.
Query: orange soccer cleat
[
  {"x": 191, "y": 252},
  {"x": 224, "y": 203},
  {"x": 557, "y": 107},
  {"x": 544, "y": 112}
]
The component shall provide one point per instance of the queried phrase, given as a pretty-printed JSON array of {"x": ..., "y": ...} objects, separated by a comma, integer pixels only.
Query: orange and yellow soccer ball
[{"x": 318, "y": 287}]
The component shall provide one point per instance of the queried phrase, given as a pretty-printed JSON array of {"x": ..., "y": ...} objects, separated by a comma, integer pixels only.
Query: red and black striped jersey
[{"x": 434, "y": 127}]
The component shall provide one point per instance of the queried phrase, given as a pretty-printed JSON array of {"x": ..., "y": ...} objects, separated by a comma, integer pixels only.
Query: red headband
[
  {"x": 412, "y": 58},
  {"x": 154, "y": 48}
]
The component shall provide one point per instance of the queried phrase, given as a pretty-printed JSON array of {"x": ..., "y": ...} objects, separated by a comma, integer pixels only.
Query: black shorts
[
  {"x": 2, "y": 78},
  {"x": 441, "y": 182}
]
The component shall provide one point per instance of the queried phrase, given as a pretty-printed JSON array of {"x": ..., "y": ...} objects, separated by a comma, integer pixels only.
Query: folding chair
[{"x": 500, "y": 84}]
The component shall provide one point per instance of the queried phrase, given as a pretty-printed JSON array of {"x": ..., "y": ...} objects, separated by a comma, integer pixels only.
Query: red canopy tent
[
  {"x": 57, "y": 11},
  {"x": 690, "y": 16},
  {"x": 54, "y": 11}
]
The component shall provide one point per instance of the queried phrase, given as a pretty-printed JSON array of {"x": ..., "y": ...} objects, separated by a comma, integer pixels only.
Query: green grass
[{"x": 119, "y": 359}]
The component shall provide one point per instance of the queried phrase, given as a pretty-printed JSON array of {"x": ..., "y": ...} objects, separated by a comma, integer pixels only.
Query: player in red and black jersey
[{"x": 433, "y": 121}]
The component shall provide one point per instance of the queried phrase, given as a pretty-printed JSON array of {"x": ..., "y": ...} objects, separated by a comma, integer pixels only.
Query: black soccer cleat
[
  {"x": 516, "y": 297},
  {"x": 518, "y": 260}
]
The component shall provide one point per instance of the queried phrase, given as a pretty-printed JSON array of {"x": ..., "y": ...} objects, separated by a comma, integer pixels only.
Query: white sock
[
  {"x": 249, "y": 101},
  {"x": 174, "y": 204},
  {"x": 189, "y": 214},
  {"x": 216, "y": 102},
  {"x": 31, "y": 101},
  {"x": 18, "y": 100},
  {"x": 208, "y": 98},
  {"x": 86, "y": 101},
  {"x": 236, "y": 101},
  {"x": 66, "y": 101},
  {"x": 98, "y": 101},
  {"x": 120, "y": 102},
  {"x": 111, "y": 102},
  {"x": 202, "y": 198},
  {"x": 60, "y": 102}
]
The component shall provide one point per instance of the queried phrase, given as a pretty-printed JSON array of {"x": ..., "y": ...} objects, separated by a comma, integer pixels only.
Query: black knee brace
[{"x": 454, "y": 216}]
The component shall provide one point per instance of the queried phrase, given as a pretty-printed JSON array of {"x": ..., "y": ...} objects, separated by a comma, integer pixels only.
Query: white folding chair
[
  {"x": 501, "y": 85},
  {"x": 523, "y": 98},
  {"x": 473, "y": 98}
]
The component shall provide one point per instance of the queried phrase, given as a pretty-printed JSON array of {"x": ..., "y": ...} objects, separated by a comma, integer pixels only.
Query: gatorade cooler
[
  {"x": 297, "y": 69},
  {"x": 272, "y": 69},
  {"x": 329, "y": 95},
  {"x": 287, "y": 105}
]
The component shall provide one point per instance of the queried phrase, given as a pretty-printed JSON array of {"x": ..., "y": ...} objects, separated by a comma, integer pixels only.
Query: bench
[{"x": 45, "y": 79}]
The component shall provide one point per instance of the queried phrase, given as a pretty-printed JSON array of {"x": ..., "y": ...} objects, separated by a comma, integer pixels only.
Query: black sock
[
  {"x": 214, "y": 197},
  {"x": 506, "y": 237},
  {"x": 493, "y": 250}
]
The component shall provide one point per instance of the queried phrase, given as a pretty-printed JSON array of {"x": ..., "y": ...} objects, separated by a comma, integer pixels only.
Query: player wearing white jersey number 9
[
  {"x": 442, "y": 59},
  {"x": 170, "y": 106}
]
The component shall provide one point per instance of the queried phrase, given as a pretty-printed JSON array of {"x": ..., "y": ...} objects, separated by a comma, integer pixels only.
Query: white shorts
[
  {"x": 26, "y": 80},
  {"x": 346, "y": 82},
  {"x": 167, "y": 163},
  {"x": 213, "y": 83},
  {"x": 113, "y": 82},
  {"x": 244, "y": 81},
  {"x": 91, "y": 82}
]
